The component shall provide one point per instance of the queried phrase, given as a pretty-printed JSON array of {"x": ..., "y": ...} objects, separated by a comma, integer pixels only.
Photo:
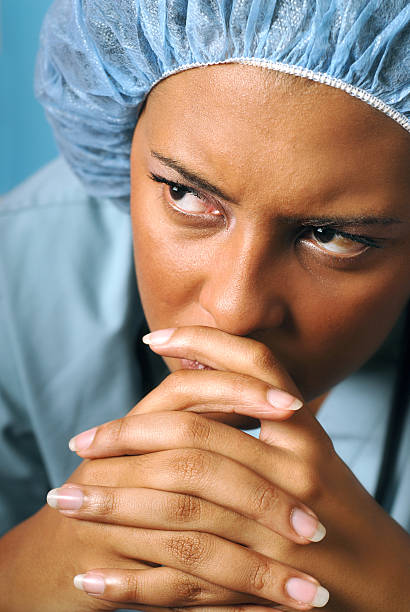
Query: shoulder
[
  {"x": 70, "y": 312},
  {"x": 54, "y": 188},
  {"x": 66, "y": 270},
  {"x": 58, "y": 245},
  {"x": 50, "y": 220},
  {"x": 53, "y": 185}
]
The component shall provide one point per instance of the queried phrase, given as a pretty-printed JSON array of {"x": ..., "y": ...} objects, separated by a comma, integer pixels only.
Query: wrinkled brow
[{"x": 201, "y": 183}]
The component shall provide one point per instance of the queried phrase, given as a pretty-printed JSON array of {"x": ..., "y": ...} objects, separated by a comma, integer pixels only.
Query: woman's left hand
[{"x": 364, "y": 559}]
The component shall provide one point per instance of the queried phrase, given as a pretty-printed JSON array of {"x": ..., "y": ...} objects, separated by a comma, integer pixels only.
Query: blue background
[{"x": 26, "y": 140}]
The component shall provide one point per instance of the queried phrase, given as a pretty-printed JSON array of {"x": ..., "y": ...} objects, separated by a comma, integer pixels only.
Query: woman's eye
[
  {"x": 187, "y": 201},
  {"x": 330, "y": 240}
]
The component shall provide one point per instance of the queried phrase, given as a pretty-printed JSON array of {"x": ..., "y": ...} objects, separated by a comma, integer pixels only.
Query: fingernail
[
  {"x": 90, "y": 583},
  {"x": 282, "y": 400},
  {"x": 307, "y": 525},
  {"x": 83, "y": 440},
  {"x": 304, "y": 591},
  {"x": 158, "y": 337},
  {"x": 65, "y": 498}
]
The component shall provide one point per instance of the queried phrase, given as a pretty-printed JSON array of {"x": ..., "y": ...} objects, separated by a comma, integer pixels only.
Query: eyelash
[
  {"x": 185, "y": 188},
  {"x": 366, "y": 240}
]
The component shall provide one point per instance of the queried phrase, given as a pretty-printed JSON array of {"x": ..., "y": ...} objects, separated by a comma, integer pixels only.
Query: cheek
[
  {"x": 168, "y": 274},
  {"x": 342, "y": 326},
  {"x": 337, "y": 319}
]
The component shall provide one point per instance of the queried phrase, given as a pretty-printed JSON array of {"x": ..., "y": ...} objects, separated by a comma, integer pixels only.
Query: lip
[{"x": 188, "y": 364}]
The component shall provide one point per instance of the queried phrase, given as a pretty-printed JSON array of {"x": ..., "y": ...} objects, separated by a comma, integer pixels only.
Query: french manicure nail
[
  {"x": 158, "y": 337},
  {"x": 282, "y": 400},
  {"x": 65, "y": 498},
  {"x": 304, "y": 591},
  {"x": 307, "y": 525},
  {"x": 83, "y": 440},
  {"x": 90, "y": 583}
]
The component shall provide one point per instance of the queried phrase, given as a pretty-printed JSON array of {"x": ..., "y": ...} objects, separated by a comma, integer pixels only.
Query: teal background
[{"x": 26, "y": 140}]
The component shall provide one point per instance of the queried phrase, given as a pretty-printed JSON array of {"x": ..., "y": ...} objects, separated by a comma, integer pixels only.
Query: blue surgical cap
[{"x": 99, "y": 59}]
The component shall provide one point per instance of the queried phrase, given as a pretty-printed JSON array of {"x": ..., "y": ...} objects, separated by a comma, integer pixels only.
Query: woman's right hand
[
  {"x": 156, "y": 516},
  {"x": 40, "y": 557},
  {"x": 174, "y": 508},
  {"x": 166, "y": 505}
]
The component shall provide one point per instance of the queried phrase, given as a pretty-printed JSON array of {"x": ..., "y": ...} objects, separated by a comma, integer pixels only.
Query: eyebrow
[
  {"x": 345, "y": 221},
  {"x": 201, "y": 183},
  {"x": 195, "y": 180}
]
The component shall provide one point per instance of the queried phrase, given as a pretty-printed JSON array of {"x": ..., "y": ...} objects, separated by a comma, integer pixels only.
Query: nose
[{"x": 242, "y": 289}]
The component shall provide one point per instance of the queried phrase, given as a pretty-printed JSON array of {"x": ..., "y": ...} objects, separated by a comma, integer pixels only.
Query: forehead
[{"x": 252, "y": 127}]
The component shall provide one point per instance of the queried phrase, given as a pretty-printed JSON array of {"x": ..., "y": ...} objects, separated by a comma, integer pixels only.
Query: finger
[
  {"x": 150, "y": 433},
  {"x": 208, "y": 476},
  {"x": 206, "y": 391},
  {"x": 212, "y": 558},
  {"x": 233, "y": 608},
  {"x": 222, "y": 351},
  {"x": 217, "y": 608},
  {"x": 152, "y": 509},
  {"x": 162, "y": 586}
]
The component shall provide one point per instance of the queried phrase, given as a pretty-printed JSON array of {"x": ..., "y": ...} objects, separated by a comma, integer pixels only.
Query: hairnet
[{"x": 99, "y": 59}]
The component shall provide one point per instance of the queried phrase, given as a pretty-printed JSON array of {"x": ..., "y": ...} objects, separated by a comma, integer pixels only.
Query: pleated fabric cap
[{"x": 99, "y": 59}]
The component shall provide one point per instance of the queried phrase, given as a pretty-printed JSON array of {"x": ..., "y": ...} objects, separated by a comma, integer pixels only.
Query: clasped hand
[{"x": 175, "y": 509}]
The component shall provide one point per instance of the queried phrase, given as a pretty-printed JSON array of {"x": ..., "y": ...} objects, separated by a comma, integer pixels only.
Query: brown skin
[
  {"x": 316, "y": 153},
  {"x": 315, "y": 317}
]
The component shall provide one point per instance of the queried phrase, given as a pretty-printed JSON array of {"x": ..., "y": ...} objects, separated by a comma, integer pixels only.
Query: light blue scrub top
[{"x": 70, "y": 322}]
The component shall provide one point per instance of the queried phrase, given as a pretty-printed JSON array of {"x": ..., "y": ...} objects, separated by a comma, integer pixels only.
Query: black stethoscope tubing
[{"x": 396, "y": 426}]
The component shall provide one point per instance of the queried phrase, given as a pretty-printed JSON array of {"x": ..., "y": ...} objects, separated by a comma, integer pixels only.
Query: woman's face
[{"x": 275, "y": 208}]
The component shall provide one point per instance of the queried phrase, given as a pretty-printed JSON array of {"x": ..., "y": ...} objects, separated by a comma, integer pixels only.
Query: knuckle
[
  {"x": 241, "y": 384},
  {"x": 115, "y": 432},
  {"x": 186, "y": 589},
  {"x": 132, "y": 590},
  {"x": 311, "y": 470},
  {"x": 313, "y": 446},
  {"x": 178, "y": 380},
  {"x": 223, "y": 608},
  {"x": 190, "y": 549},
  {"x": 185, "y": 508},
  {"x": 308, "y": 484},
  {"x": 174, "y": 382},
  {"x": 265, "y": 498},
  {"x": 194, "y": 428},
  {"x": 107, "y": 505},
  {"x": 263, "y": 358},
  {"x": 259, "y": 576},
  {"x": 314, "y": 450},
  {"x": 189, "y": 465}
]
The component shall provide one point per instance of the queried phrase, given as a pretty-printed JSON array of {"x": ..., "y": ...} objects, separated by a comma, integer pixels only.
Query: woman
[{"x": 271, "y": 241}]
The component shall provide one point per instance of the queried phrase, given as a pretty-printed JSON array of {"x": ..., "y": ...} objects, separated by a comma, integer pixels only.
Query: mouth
[{"x": 188, "y": 364}]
